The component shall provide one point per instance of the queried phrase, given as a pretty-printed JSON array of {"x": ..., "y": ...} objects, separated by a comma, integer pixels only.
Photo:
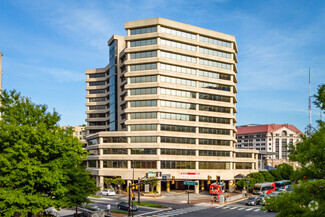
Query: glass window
[
  {"x": 93, "y": 141},
  {"x": 143, "y": 139},
  {"x": 177, "y": 165},
  {"x": 143, "y": 30},
  {"x": 243, "y": 155},
  {"x": 214, "y": 86},
  {"x": 215, "y": 52},
  {"x": 98, "y": 99},
  {"x": 214, "y": 120},
  {"x": 143, "y": 151},
  {"x": 215, "y": 64},
  {"x": 97, "y": 83},
  {"x": 176, "y": 128},
  {"x": 166, "y": 139},
  {"x": 214, "y": 108},
  {"x": 214, "y": 142},
  {"x": 214, "y": 75},
  {"x": 144, "y": 164},
  {"x": 242, "y": 165},
  {"x": 143, "y": 42},
  {"x": 141, "y": 67},
  {"x": 177, "y": 33},
  {"x": 114, "y": 164},
  {"x": 143, "y": 91},
  {"x": 144, "y": 115},
  {"x": 180, "y": 105},
  {"x": 146, "y": 54},
  {"x": 214, "y": 153},
  {"x": 214, "y": 165},
  {"x": 180, "y": 117},
  {"x": 177, "y": 45},
  {"x": 114, "y": 140},
  {"x": 175, "y": 56},
  {"x": 97, "y": 75},
  {"x": 98, "y": 91},
  {"x": 144, "y": 103},
  {"x": 98, "y": 107},
  {"x": 143, "y": 127},
  {"x": 214, "y": 131},
  {"x": 180, "y": 93},
  {"x": 92, "y": 163},
  {"x": 180, "y": 69},
  {"x": 178, "y": 81},
  {"x": 165, "y": 151},
  {"x": 143, "y": 79},
  {"x": 215, "y": 41},
  {"x": 115, "y": 151},
  {"x": 214, "y": 97}
]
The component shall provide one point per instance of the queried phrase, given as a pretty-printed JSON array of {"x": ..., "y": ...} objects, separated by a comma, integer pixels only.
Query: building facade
[
  {"x": 271, "y": 139},
  {"x": 79, "y": 132},
  {"x": 166, "y": 102}
]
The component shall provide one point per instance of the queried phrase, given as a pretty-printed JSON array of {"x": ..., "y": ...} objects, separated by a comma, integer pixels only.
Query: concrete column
[
  {"x": 197, "y": 188},
  {"x": 101, "y": 182},
  {"x": 159, "y": 187},
  {"x": 168, "y": 186}
]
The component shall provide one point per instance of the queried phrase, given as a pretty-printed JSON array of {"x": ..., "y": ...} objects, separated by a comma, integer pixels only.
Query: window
[
  {"x": 97, "y": 83},
  {"x": 143, "y": 91},
  {"x": 243, "y": 155},
  {"x": 214, "y": 120},
  {"x": 177, "y": 164},
  {"x": 214, "y": 142},
  {"x": 97, "y": 91},
  {"x": 176, "y": 128},
  {"x": 214, "y": 86},
  {"x": 177, "y": 45},
  {"x": 214, "y": 131},
  {"x": 140, "y": 67},
  {"x": 143, "y": 139},
  {"x": 180, "y": 105},
  {"x": 143, "y": 151},
  {"x": 144, "y": 103},
  {"x": 144, "y": 127},
  {"x": 115, "y": 151},
  {"x": 165, "y": 139},
  {"x": 98, "y": 107},
  {"x": 214, "y": 153},
  {"x": 97, "y": 75},
  {"x": 214, "y": 108},
  {"x": 92, "y": 163},
  {"x": 177, "y": 33},
  {"x": 215, "y": 52},
  {"x": 165, "y": 151},
  {"x": 143, "y": 42},
  {"x": 175, "y": 56},
  {"x": 242, "y": 165},
  {"x": 114, "y": 140},
  {"x": 177, "y": 93},
  {"x": 180, "y": 69},
  {"x": 144, "y": 164},
  {"x": 143, "y": 79},
  {"x": 178, "y": 81},
  {"x": 143, "y": 30},
  {"x": 214, "y": 97},
  {"x": 146, "y": 54},
  {"x": 214, "y": 64},
  {"x": 284, "y": 133},
  {"x": 214, "y": 165},
  {"x": 181, "y": 117},
  {"x": 214, "y": 75},
  {"x": 98, "y": 99},
  {"x": 215, "y": 41},
  {"x": 115, "y": 164},
  {"x": 93, "y": 141},
  {"x": 144, "y": 115}
]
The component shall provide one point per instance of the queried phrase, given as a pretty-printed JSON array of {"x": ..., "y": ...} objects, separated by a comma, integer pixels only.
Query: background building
[
  {"x": 166, "y": 102},
  {"x": 271, "y": 139},
  {"x": 78, "y": 131}
]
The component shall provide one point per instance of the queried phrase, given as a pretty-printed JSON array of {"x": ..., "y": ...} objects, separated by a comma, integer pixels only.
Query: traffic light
[
  {"x": 209, "y": 180},
  {"x": 173, "y": 179},
  {"x": 133, "y": 186}
]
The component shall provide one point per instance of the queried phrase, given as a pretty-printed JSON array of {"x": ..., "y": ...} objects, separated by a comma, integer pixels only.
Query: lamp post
[{"x": 247, "y": 182}]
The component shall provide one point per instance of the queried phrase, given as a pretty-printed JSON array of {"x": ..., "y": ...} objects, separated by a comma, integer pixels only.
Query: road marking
[
  {"x": 219, "y": 206},
  {"x": 235, "y": 207},
  {"x": 241, "y": 208},
  {"x": 225, "y": 207},
  {"x": 249, "y": 209},
  {"x": 151, "y": 212},
  {"x": 257, "y": 210}
]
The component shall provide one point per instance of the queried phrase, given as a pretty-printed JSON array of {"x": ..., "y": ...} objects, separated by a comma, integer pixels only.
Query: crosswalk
[
  {"x": 176, "y": 212},
  {"x": 238, "y": 208}
]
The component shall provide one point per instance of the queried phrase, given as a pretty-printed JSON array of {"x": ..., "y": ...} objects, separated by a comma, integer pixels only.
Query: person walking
[{"x": 108, "y": 207}]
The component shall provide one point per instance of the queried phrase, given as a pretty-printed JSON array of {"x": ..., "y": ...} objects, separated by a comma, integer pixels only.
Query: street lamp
[{"x": 247, "y": 182}]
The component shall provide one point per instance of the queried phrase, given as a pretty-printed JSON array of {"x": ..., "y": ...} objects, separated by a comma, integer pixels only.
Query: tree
[
  {"x": 267, "y": 176},
  {"x": 40, "y": 164},
  {"x": 108, "y": 182},
  {"x": 118, "y": 181},
  {"x": 276, "y": 174},
  {"x": 286, "y": 170},
  {"x": 152, "y": 181}
]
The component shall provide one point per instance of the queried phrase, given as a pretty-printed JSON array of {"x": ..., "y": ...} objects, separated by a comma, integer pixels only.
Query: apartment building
[
  {"x": 79, "y": 132},
  {"x": 166, "y": 102},
  {"x": 272, "y": 139}
]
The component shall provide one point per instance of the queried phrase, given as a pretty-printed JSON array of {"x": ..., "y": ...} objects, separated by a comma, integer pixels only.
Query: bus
[
  {"x": 264, "y": 188},
  {"x": 283, "y": 184},
  {"x": 216, "y": 188}
]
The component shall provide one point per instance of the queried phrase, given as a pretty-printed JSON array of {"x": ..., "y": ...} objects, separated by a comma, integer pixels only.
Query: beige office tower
[{"x": 166, "y": 103}]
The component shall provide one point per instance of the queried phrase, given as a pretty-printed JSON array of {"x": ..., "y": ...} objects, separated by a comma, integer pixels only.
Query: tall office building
[{"x": 166, "y": 102}]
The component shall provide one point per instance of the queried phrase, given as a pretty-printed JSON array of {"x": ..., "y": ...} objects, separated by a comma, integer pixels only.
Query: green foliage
[
  {"x": 118, "y": 182},
  {"x": 267, "y": 176},
  {"x": 108, "y": 182},
  {"x": 320, "y": 97},
  {"x": 148, "y": 204},
  {"x": 276, "y": 174},
  {"x": 286, "y": 170},
  {"x": 152, "y": 181},
  {"x": 308, "y": 199},
  {"x": 40, "y": 164}
]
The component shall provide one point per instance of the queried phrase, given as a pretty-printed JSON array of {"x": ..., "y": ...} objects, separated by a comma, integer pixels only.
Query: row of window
[
  {"x": 98, "y": 99},
  {"x": 214, "y": 75},
  {"x": 98, "y": 91},
  {"x": 215, "y": 52},
  {"x": 143, "y": 42},
  {"x": 177, "y": 57},
  {"x": 98, "y": 107},
  {"x": 140, "y": 67},
  {"x": 146, "y": 54},
  {"x": 97, "y": 75},
  {"x": 144, "y": 127},
  {"x": 176, "y": 128},
  {"x": 180, "y": 69},
  {"x": 177, "y": 93},
  {"x": 143, "y": 91},
  {"x": 180, "y": 117},
  {"x": 179, "y": 81},
  {"x": 153, "y": 139},
  {"x": 177, "y": 33},
  {"x": 214, "y": 86},
  {"x": 142, "y": 79},
  {"x": 214, "y": 120},
  {"x": 214, "y": 131},
  {"x": 143, "y": 30},
  {"x": 177, "y": 45},
  {"x": 214, "y": 64},
  {"x": 214, "y": 97},
  {"x": 180, "y": 105},
  {"x": 144, "y": 115},
  {"x": 98, "y": 115},
  {"x": 169, "y": 164},
  {"x": 215, "y": 41},
  {"x": 96, "y": 83}
]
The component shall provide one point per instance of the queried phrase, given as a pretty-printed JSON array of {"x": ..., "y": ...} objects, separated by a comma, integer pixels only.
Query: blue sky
[{"x": 47, "y": 45}]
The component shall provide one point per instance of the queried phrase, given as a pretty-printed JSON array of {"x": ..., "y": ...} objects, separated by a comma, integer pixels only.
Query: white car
[{"x": 108, "y": 192}]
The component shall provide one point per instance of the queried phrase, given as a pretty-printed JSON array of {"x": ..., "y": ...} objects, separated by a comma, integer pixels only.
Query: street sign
[
  {"x": 150, "y": 174},
  {"x": 190, "y": 183},
  {"x": 146, "y": 188}
]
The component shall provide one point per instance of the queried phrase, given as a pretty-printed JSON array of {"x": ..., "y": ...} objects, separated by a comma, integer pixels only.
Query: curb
[{"x": 102, "y": 198}]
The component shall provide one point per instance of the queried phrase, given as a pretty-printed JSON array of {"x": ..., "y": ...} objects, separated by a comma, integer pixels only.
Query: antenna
[{"x": 309, "y": 105}]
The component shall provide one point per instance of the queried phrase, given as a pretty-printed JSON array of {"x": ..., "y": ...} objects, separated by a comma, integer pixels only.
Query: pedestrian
[{"x": 108, "y": 209}]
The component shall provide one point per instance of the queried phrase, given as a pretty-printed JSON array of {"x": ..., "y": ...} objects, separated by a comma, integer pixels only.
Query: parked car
[
  {"x": 262, "y": 198},
  {"x": 108, "y": 192},
  {"x": 125, "y": 206},
  {"x": 252, "y": 201}
]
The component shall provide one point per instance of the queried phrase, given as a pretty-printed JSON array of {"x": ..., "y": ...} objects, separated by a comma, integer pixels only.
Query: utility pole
[
  {"x": 139, "y": 190},
  {"x": 129, "y": 210}
]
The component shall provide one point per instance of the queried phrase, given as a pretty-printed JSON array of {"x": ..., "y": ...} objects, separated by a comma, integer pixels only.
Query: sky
[{"x": 47, "y": 45}]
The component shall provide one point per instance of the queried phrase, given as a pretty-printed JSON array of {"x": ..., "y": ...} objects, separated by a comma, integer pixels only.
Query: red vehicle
[
  {"x": 216, "y": 189},
  {"x": 264, "y": 188}
]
